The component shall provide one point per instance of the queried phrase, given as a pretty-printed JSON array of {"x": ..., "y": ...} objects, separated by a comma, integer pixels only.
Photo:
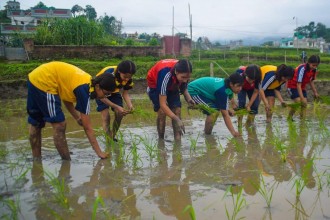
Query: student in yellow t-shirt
[
  {"x": 123, "y": 74},
  {"x": 56, "y": 82},
  {"x": 272, "y": 78}
]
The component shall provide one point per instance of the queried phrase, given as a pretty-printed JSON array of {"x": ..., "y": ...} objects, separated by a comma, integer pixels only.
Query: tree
[
  {"x": 320, "y": 30},
  {"x": 90, "y": 12},
  {"x": 153, "y": 42},
  {"x": 108, "y": 23},
  {"x": 40, "y": 5},
  {"x": 145, "y": 37},
  {"x": 268, "y": 43},
  {"x": 3, "y": 17},
  {"x": 76, "y": 9}
]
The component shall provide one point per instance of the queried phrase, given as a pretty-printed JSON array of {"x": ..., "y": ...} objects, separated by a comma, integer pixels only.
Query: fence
[{"x": 13, "y": 53}]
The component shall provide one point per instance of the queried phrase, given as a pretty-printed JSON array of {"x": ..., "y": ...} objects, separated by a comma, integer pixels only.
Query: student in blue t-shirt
[{"x": 216, "y": 93}]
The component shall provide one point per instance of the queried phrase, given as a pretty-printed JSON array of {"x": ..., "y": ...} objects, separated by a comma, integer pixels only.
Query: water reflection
[
  {"x": 161, "y": 188},
  {"x": 272, "y": 163},
  {"x": 167, "y": 188},
  {"x": 302, "y": 166},
  {"x": 248, "y": 162}
]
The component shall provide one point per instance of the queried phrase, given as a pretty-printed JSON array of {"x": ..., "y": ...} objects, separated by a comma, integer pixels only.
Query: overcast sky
[{"x": 218, "y": 20}]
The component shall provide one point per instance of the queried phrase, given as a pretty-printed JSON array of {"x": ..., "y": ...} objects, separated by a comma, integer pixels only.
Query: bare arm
[
  {"x": 73, "y": 112},
  {"x": 187, "y": 97},
  {"x": 253, "y": 98},
  {"x": 264, "y": 99},
  {"x": 127, "y": 100},
  {"x": 316, "y": 95},
  {"x": 117, "y": 108},
  {"x": 279, "y": 96},
  {"x": 303, "y": 100},
  {"x": 165, "y": 108},
  {"x": 229, "y": 124},
  {"x": 91, "y": 136}
]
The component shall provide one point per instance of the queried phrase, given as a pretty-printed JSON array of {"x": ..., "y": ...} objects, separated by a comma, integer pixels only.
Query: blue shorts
[
  {"x": 114, "y": 98},
  {"x": 269, "y": 93},
  {"x": 242, "y": 100},
  {"x": 43, "y": 107},
  {"x": 173, "y": 99},
  {"x": 204, "y": 101},
  {"x": 293, "y": 93}
]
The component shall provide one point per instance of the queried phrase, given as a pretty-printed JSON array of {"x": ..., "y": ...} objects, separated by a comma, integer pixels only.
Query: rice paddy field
[{"x": 279, "y": 170}]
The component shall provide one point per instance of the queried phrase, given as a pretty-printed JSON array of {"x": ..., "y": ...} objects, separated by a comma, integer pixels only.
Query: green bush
[{"x": 224, "y": 62}]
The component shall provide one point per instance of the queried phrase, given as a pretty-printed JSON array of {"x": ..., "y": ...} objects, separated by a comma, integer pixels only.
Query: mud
[{"x": 148, "y": 178}]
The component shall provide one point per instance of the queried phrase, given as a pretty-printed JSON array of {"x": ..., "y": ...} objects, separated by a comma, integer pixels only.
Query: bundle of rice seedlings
[
  {"x": 138, "y": 111},
  {"x": 294, "y": 105},
  {"x": 241, "y": 112},
  {"x": 324, "y": 99},
  {"x": 205, "y": 108}
]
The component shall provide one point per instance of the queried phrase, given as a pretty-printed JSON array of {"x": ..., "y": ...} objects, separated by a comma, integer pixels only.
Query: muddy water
[{"x": 147, "y": 178}]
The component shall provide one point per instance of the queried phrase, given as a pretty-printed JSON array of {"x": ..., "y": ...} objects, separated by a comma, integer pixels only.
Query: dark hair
[
  {"x": 183, "y": 66},
  {"x": 314, "y": 59},
  {"x": 284, "y": 71},
  {"x": 234, "y": 79},
  {"x": 105, "y": 81},
  {"x": 125, "y": 66},
  {"x": 253, "y": 72}
]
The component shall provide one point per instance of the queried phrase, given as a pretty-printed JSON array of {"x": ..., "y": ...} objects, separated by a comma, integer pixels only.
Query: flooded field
[{"x": 274, "y": 171}]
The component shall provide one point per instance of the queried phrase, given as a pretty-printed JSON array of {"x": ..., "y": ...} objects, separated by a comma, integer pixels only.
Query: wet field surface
[{"x": 274, "y": 171}]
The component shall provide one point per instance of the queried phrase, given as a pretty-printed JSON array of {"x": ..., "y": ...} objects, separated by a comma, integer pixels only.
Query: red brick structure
[{"x": 182, "y": 48}]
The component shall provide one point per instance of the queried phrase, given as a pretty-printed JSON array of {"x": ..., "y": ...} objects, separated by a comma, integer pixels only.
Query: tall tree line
[{"x": 314, "y": 31}]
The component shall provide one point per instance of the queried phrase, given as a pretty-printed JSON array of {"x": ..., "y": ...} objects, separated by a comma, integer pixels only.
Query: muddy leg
[
  {"x": 269, "y": 114},
  {"x": 161, "y": 122},
  {"x": 250, "y": 119},
  {"x": 60, "y": 140},
  {"x": 35, "y": 142},
  {"x": 116, "y": 124},
  {"x": 209, "y": 122},
  {"x": 239, "y": 121},
  {"x": 176, "y": 129},
  {"x": 106, "y": 123}
]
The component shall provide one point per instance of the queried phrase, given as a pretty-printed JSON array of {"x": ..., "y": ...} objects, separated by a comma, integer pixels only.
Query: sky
[{"x": 218, "y": 20}]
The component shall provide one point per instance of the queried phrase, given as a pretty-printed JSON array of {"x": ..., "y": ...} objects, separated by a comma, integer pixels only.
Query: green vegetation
[{"x": 225, "y": 62}]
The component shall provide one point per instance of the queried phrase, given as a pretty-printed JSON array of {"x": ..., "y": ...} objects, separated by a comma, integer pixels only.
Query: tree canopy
[{"x": 314, "y": 31}]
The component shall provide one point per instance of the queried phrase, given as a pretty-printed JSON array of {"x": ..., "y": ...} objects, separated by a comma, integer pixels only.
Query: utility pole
[
  {"x": 295, "y": 17},
  {"x": 190, "y": 22},
  {"x": 173, "y": 52}
]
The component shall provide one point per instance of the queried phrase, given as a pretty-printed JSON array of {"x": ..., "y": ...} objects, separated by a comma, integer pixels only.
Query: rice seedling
[
  {"x": 191, "y": 210},
  {"x": 193, "y": 142},
  {"x": 99, "y": 201},
  {"x": 265, "y": 191},
  {"x": 294, "y": 106},
  {"x": 204, "y": 108},
  {"x": 279, "y": 145},
  {"x": 135, "y": 141},
  {"x": 300, "y": 212},
  {"x": 118, "y": 147},
  {"x": 140, "y": 112},
  {"x": 321, "y": 116},
  {"x": 319, "y": 178},
  {"x": 11, "y": 207},
  {"x": 151, "y": 148},
  {"x": 323, "y": 99},
  {"x": 60, "y": 189},
  {"x": 242, "y": 112},
  {"x": 299, "y": 184},
  {"x": 3, "y": 152},
  {"x": 238, "y": 203}
]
